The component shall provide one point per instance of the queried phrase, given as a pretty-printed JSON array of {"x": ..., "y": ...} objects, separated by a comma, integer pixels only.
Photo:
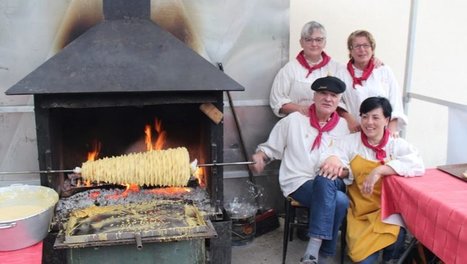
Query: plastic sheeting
[{"x": 250, "y": 39}]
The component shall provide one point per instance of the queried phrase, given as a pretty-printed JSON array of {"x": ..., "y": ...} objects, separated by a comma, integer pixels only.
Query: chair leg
[
  {"x": 292, "y": 213},
  {"x": 285, "y": 241},
  {"x": 343, "y": 241}
]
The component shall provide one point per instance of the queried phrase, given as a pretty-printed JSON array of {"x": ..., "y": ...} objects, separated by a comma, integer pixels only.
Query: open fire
[
  {"x": 96, "y": 193},
  {"x": 156, "y": 142}
]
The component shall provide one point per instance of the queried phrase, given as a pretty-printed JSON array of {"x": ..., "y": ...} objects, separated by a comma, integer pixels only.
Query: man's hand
[
  {"x": 332, "y": 168},
  {"x": 260, "y": 162}
]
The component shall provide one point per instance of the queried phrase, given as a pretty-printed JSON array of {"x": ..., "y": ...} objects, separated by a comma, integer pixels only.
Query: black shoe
[{"x": 309, "y": 259}]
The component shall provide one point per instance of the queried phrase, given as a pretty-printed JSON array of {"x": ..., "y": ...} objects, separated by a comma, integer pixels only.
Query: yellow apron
[{"x": 366, "y": 233}]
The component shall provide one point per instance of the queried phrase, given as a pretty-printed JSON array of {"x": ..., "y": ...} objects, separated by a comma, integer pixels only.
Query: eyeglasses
[
  {"x": 361, "y": 46},
  {"x": 317, "y": 40}
]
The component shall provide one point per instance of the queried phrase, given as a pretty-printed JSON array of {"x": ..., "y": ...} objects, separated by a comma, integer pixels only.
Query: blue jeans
[
  {"x": 327, "y": 203},
  {"x": 393, "y": 251}
]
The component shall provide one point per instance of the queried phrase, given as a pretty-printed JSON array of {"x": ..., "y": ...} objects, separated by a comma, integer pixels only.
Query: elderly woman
[
  {"x": 291, "y": 88},
  {"x": 365, "y": 158},
  {"x": 363, "y": 80}
]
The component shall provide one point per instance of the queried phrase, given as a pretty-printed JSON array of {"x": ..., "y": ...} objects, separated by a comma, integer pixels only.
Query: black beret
[{"x": 328, "y": 83}]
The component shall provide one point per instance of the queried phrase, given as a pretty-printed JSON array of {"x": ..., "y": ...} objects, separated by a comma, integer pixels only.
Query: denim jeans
[
  {"x": 327, "y": 203},
  {"x": 393, "y": 251}
]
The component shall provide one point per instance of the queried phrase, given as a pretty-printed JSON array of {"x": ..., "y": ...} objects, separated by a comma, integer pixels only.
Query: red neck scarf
[
  {"x": 301, "y": 59},
  {"x": 366, "y": 73},
  {"x": 330, "y": 125},
  {"x": 380, "y": 152}
]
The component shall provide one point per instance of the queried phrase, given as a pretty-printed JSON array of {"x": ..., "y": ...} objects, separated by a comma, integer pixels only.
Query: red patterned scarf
[
  {"x": 366, "y": 73},
  {"x": 314, "y": 122},
  {"x": 301, "y": 59},
  {"x": 380, "y": 153}
]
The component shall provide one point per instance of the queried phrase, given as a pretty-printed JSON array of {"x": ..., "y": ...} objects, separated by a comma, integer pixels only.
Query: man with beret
[{"x": 299, "y": 140}]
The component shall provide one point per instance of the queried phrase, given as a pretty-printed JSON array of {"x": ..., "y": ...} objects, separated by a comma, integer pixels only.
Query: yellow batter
[{"x": 13, "y": 212}]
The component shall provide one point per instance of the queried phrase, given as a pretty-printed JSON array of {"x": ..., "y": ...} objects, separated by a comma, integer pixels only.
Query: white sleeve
[
  {"x": 404, "y": 158},
  {"x": 275, "y": 145},
  {"x": 280, "y": 90},
  {"x": 341, "y": 73}
]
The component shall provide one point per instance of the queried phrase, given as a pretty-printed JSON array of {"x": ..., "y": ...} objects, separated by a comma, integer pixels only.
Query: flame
[
  {"x": 160, "y": 139},
  {"x": 169, "y": 190},
  {"x": 130, "y": 188},
  {"x": 162, "y": 135},
  {"x": 200, "y": 176},
  {"x": 94, "y": 194},
  {"x": 148, "y": 138},
  {"x": 96, "y": 148}
]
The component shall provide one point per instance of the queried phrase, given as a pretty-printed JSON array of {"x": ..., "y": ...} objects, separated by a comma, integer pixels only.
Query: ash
[{"x": 103, "y": 197}]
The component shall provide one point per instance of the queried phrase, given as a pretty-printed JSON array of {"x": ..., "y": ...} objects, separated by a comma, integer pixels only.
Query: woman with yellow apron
[{"x": 370, "y": 155}]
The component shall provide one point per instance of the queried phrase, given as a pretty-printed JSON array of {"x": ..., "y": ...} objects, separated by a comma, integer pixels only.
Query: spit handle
[
  {"x": 226, "y": 164},
  {"x": 34, "y": 172},
  {"x": 78, "y": 169}
]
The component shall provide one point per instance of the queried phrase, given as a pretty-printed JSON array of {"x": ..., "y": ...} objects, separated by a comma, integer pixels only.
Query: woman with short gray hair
[{"x": 291, "y": 90}]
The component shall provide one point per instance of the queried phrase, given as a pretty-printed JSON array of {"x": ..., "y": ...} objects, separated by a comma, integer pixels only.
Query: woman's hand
[
  {"x": 292, "y": 107},
  {"x": 332, "y": 168},
  {"x": 354, "y": 126},
  {"x": 374, "y": 176},
  {"x": 370, "y": 181},
  {"x": 393, "y": 128},
  {"x": 378, "y": 63},
  {"x": 352, "y": 123}
]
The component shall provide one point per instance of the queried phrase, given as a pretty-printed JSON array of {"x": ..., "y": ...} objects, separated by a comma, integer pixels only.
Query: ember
[
  {"x": 197, "y": 196},
  {"x": 155, "y": 218}
]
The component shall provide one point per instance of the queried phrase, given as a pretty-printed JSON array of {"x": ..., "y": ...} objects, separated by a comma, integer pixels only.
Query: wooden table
[{"x": 434, "y": 208}]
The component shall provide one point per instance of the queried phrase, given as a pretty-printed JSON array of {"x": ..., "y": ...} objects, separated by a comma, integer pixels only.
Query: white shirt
[
  {"x": 381, "y": 82},
  {"x": 400, "y": 155},
  {"x": 292, "y": 86},
  {"x": 291, "y": 140}
]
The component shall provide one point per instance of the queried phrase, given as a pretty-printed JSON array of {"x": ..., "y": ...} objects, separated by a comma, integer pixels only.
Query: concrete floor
[{"x": 267, "y": 248}]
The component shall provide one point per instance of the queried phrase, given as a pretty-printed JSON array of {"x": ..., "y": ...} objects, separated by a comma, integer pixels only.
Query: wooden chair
[{"x": 291, "y": 223}]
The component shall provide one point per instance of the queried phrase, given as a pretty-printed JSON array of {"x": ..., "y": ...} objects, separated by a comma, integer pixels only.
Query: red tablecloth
[
  {"x": 434, "y": 208},
  {"x": 29, "y": 255}
]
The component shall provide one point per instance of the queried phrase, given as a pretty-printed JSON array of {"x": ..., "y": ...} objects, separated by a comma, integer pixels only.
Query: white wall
[
  {"x": 438, "y": 59},
  {"x": 341, "y": 17},
  {"x": 439, "y": 71}
]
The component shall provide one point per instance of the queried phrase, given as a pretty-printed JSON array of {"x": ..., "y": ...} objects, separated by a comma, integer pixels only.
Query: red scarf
[
  {"x": 366, "y": 73},
  {"x": 380, "y": 152},
  {"x": 330, "y": 125},
  {"x": 301, "y": 59}
]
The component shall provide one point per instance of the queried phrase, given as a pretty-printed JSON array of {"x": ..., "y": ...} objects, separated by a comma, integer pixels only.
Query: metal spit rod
[{"x": 77, "y": 169}]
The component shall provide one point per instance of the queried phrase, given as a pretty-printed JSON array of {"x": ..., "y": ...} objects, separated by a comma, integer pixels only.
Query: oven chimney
[
  {"x": 123, "y": 9},
  {"x": 127, "y": 52}
]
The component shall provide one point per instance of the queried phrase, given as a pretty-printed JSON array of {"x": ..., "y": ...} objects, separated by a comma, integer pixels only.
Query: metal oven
[{"x": 122, "y": 79}]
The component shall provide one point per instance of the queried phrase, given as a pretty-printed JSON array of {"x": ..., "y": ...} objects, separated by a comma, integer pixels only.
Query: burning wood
[
  {"x": 109, "y": 197},
  {"x": 155, "y": 218}
]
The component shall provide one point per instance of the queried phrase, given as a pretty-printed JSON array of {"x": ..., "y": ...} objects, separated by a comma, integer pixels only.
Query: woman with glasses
[
  {"x": 362, "y": 159},
  {"x": 363, "y": 80},
  {"x": 291, "y": 91}
]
